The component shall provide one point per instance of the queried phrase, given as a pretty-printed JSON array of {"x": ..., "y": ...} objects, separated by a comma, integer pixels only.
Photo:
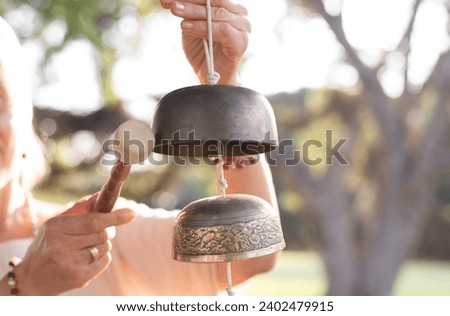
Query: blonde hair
[{"x": 30, "y": 163}]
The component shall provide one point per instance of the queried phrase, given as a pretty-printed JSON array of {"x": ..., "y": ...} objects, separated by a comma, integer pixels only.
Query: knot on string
[
  {"x": 223, "y": 183},
  {"x": 230, "y": 291},
  {"x": 213, "y": 77}
]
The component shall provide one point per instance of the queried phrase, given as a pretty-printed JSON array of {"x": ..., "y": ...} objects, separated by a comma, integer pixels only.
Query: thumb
[{"x": 82, "y": 206}]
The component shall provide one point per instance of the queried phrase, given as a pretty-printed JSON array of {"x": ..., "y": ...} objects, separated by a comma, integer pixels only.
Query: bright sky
[{"x": 287, "y": 52}]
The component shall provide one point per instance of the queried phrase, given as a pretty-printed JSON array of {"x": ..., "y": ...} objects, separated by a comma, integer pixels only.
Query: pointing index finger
[{"x": 95, "y": 222}]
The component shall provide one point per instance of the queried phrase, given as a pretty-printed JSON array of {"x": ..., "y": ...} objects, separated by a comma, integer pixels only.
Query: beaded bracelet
[{"x": 12, "y": 276}]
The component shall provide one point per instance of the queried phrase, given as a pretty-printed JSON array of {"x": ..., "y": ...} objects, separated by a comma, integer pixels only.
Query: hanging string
[
  {"x": 213, "y": 76},
  {"x": 230, "y": 291},
  {"x": 222, "y": 181},
  {"x": 223, "y": 185}
]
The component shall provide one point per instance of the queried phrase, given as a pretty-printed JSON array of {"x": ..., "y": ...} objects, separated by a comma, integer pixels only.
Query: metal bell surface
[
  {"x": 220, "y": 229},
  {"x": 192, "y": 120}
]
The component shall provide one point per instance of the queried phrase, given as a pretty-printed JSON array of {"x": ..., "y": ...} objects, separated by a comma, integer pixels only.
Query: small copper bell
[
  {"x": 190, "y": 121},
  {"x": 234, "y": 227}
]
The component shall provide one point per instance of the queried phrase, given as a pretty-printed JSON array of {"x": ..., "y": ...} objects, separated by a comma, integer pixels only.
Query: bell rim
[
  {"x": 234, "y": 256},
  {"x": 257, "y": 147},
  {"x": 257, "y": 142}
]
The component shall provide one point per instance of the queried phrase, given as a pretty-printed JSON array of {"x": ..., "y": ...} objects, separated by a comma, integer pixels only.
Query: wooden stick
[{"x": 111, "y": 190}]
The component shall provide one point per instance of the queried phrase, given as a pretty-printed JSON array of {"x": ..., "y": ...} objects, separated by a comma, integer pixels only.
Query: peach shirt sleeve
[{"x": 142, "y": 262}]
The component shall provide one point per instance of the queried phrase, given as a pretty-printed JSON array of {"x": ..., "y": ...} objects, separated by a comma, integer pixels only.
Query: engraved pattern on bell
[
  {"x": 224, "y": 239},
  {"x": 229, "y": 228}
]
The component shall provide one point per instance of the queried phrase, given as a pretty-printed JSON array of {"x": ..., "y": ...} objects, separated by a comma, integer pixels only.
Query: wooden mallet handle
[{"x": 111, "y": 189}]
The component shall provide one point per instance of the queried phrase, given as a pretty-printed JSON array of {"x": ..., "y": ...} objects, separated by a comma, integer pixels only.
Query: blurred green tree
[
  {"x": 371, "y": 212},
  {"x": 94, "y": 21}
]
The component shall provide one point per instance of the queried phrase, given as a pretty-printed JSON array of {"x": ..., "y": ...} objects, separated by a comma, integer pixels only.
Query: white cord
[
  {"x": 229, "y": 287},
  {"x": 213, "y": 76},
  {"x": 222, "y": 181}
]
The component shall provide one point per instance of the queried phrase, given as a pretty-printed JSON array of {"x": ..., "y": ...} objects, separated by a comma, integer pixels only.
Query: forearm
[{"x": 254, "y": 180}]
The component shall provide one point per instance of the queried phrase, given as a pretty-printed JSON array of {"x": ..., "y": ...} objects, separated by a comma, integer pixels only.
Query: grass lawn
[{"x": 302, "y": 274}]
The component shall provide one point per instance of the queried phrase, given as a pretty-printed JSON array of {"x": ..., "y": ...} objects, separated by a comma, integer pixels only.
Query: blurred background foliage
[
  {"x": 73, "y": 142},
  {"x": 56, "y": 23}
]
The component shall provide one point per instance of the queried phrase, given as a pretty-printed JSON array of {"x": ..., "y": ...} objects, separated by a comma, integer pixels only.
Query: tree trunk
[
  {"x": 384, "y": 255},
  {"x": 396, "y": 236},
  {"x": 339, "y": 257},
  {"x": 335, "y": 224}
]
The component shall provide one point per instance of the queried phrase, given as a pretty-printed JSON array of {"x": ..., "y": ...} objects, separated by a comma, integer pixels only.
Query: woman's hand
[
  {"x": 230, "y": 35},
  {"x": 59, "y": 258}
]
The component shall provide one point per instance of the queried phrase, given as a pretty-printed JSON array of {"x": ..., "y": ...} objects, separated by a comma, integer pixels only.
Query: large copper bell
[
  {"x": 190, "y": 121},
  {"x": 218, "y": 229}
]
